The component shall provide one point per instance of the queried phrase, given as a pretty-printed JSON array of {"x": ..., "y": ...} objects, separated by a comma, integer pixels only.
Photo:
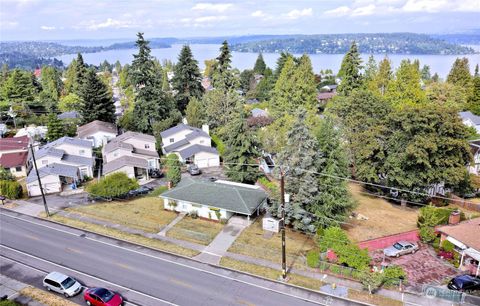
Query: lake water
[{"x": 243, "y": 60}]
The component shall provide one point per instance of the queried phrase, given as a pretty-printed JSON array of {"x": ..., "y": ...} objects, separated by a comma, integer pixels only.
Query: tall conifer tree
[
  {"x": 97, "y": 103},
  {"x": 350, "y": 71}
]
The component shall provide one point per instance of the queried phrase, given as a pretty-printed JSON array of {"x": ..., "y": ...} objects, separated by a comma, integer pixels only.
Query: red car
[{"x": 102, "y": 297}]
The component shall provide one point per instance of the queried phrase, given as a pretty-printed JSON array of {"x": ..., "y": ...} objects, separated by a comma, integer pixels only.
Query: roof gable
[
  {"x": 181, "y": 127},
  {"x": 96, "y": 126}
]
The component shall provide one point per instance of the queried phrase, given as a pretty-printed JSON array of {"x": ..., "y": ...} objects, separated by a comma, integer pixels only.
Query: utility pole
[
  {"x": 282, "y": 196},
  {"x": 39, "y": 181}
]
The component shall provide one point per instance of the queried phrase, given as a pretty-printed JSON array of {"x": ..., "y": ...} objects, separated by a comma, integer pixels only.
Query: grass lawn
[
  {"x": 195, "y": 230},
  {"x": 153, "y": 243},
  {"x": 145, "y": 213},
  {"x": 45, "y": 297},
  {"x": 469, "y": 214},
  {"x": 294, "y": 279},
  {"x": 374, "y": 299},
  {"x": 384, "y": 218},
  {"x": 252, "y": 242}
]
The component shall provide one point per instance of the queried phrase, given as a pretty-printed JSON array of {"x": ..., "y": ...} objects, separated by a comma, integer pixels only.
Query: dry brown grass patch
[{"x": 46, "y": 298}]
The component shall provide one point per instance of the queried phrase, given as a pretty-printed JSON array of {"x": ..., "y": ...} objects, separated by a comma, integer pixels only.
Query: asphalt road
[{"x": 143, "y": 276}]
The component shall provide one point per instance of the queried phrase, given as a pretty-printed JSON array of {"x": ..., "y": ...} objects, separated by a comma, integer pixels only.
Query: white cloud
[
  {"x": 206, "y": 19},
  {"x": 384, "y": 7},
  {"x": 295, "y": 14},
  {"x": 216, "y": 7},
  {"x": 258, "y": 14},
  {"x": 4, "y": 24},
  {"x": 47, "y": 28},
  {"x": 113, "y": 24}
]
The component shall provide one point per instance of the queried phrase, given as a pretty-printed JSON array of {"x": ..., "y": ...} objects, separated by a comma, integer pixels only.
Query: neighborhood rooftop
[
  {"x": 69, "y": 140},
  {"x": 14, "y": 143},
  {"x": 181, "y": 127},
  {"x": 9, "y": 160},
  {"x": 238, "y": 198},
  {"x": 96, "y": 126},
  {"x": 56, "y": 169},
  {"x": 192, "y": 150},
  {"x": 124, "y": 161},
  {"x": 468, "y": 115},
  {"x": 466, "y": 232}
]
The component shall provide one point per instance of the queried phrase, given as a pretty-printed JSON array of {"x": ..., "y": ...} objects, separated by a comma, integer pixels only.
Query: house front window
[
  {"x": 147, "y": 146},
  {"x": 18, "y": 169},
  {"x": 172, "y": 140}
]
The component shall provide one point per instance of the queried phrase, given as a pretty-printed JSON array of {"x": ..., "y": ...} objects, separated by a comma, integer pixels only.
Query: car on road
[
  {"x": 61, "y": 283},
  {"x": 464, "y": 283},
  {"x": 102, "y": 297},
  {"x": 400, "y": 248},
  {"x": 193, "y": 169}
]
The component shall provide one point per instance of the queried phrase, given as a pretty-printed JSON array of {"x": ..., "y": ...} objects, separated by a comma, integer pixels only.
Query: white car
[
  {"x": 400, "y": 248},
  {"x": 61, "y": 283}
]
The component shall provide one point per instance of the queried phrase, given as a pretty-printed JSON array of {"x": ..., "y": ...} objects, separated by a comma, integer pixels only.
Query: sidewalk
[
  {"x": 179, "y": 218},
  {"x": 222, "y": 242},
  {"x": 11, "y": 288}
]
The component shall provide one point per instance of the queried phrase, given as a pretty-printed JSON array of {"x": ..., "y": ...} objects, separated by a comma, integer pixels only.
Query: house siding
[
  {"x": 128, "y": 170},
  {"x": 206, "y": 159},
  {"x": 203, "y": 211},
  {"x": 100, "y": 138},
  {"x": 20, "y": 173},
  {"x": 51, "y": 184}
]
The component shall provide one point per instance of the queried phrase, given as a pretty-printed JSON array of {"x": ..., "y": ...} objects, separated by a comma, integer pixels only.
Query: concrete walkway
[
  {"x": 164, "y": 231},
  {"x": 28, "y": 208},
  {"x": 11, "y": 288},
  {"x": 222, "y": 242}
]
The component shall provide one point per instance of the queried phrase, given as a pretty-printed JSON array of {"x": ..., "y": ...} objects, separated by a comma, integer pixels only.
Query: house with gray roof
[
  {"x": 191, "y": 145},
  {"x": 131, "y": 152},
  {"x": 98, "y": 132},
  {"x": 471, "y": 120},
  {"x": 65, "y": 161},
  {"x": 215, "y": 200},
  {"x": 54, "y": 178}
]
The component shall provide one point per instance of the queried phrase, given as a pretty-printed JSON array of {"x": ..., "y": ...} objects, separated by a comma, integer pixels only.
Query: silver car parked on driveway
[
  {"x": 61, "y": 283},
  {"x": 400, "y": 248}
]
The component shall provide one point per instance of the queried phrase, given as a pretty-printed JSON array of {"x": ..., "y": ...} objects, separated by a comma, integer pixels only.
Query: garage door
[
  {"x": 213, "y": 162},
  {"x": 202, "y": 163}
]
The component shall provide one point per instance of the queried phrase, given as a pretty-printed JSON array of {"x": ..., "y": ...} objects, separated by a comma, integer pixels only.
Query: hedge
[
  {"x": 11, "y": 189},
  {"x": 113, "y": 185}
]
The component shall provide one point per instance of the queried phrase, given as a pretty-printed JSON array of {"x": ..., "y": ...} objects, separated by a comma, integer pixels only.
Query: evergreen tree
[
  {"x": 294, "y": 88},
  {"x": 80, "y": 74},
  {"x": 151, "y": 103},
  {"x": 333, "y": 202},
  {"x": 350, "y": 71},
  {"x": 195, "y": 113},
  {"x": 260, "y": 65},
  {"x": 425, "y": 73},
  {"x": 265, "y": 86},
  {"x": 371, "y": 69},
  {"x": 384, "y": 75},
  {"x": 97, "y": 103},
  {"x": 223, "y": 77},
  {"x": 55, "y": 128},
  {"x": 284, "y": 56},
  {"x": 474, "y": 101},
  {"x": 187, "y": 79},
  {"x": 51, "y": 88},
  {"x": 220, "y": 107},
  {"x": 406, "y": 88},
  {"x": 460, "y": 74},
  {"x": 241, "y": 151},
  {"x": 18, "y": 92},
  {"x": 300, "y": 157}
]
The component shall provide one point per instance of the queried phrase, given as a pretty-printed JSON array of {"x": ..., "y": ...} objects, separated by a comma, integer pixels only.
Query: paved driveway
[{"x": 423, "y": 267}]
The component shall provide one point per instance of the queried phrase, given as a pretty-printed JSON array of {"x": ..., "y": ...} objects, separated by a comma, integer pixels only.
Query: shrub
[
  {"x": 11, "y": 189},
  {"x": 427, "y": 234},
  {"x": 113, "y": 185},
  {"x": 335, "y": 269},
  {"x": 193, "y": 214},
  {"x": 218, "y": 144},
  {"x": 332, "y": 238},
  {"x": 371, "y": 281},
  {"x": 313, "y": 258},
  {"x": 393, "y": 275},
  {"x": 174, "y": 174},
  {"x": 272, "y": 187},
  {"x": 158, "y": 191},
  {"x": 6, "y": 175},
  {"x": 447, "y": 246}
]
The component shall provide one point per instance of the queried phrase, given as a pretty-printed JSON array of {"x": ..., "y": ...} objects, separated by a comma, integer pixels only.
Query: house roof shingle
[
  {"x": 130, "y": 134},
  {"x": 10, "y": 160},
  {"x": 466, "y": 232},
  {"x": 194, "y": 149},
  {"x": 56, "y": 169},
  {"x": 468, "y": 115},
  {"x": 182, "y": 127},
  {"x": 69, "y": 115},
  {"x": 124, "y": 161},
  {"x": 14, "y": 143},
  {"x": 238, "y": 198},
  {"x": 176, "y": 145},
  {"x": 78, "y": 160},
  {"x": 96, "y": 126},
  {"x": 69, "y": 140}
]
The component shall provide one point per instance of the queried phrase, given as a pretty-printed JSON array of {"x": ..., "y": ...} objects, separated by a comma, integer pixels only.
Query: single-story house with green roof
[{"x": 215, "y": 200}]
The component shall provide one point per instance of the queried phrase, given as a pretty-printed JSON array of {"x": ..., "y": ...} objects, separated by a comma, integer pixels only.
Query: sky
[{"x": 119, "y": 19}]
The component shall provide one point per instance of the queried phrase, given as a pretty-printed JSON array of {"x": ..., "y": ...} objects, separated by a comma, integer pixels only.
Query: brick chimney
[{"x": 454, "y": 217}]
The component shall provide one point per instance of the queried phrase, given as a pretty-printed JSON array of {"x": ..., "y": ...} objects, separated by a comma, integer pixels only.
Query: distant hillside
[
  {"x": 464, "y": 39},
  {"x": 380, "y": 43}
]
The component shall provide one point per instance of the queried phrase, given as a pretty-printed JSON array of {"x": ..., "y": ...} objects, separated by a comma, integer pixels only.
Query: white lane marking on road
[
  {"x": 193, "y": 268},
  {"x": 88, "y": 275}
]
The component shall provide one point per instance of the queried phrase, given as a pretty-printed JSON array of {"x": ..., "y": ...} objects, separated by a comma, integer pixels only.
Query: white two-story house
[
  {"x": 133, "y": 153},
  {"x": 191, "y": 145},
  {"x": 471, "y": 120},
  {"x": 61, "y": 165},
  {"x": 98, "y": 132}
]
